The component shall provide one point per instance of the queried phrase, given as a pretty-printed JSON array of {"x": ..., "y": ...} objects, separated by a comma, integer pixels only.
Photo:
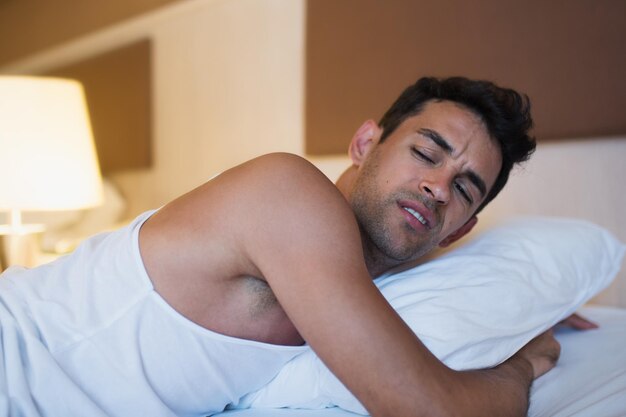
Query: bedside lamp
[{"x": 47, "y": 158}]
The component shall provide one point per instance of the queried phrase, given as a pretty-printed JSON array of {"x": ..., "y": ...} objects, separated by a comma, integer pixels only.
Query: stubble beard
[{"x": 384, "y": 248}]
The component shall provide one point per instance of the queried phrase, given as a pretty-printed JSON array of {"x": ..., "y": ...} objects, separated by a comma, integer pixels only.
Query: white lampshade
[{"x": 47, "y": 153}]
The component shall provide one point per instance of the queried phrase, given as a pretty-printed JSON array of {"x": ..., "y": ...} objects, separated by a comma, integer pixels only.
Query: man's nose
[{"x": 437, "y": 187}]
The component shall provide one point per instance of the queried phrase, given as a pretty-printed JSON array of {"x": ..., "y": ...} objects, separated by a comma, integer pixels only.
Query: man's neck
[
  {"x": 345, "y": 182},
  {"x": 377, "y": 264}
]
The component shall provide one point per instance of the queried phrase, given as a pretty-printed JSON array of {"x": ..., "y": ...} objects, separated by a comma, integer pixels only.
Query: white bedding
[{"x": 589, "y": 380}]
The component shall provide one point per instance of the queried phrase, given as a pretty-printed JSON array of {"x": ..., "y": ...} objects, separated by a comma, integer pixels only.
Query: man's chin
[{"x": 410, "y": 253}]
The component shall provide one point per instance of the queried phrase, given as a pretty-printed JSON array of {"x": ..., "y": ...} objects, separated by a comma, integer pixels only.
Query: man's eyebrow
[
  {"x": 478, "y": 182},
  {"x": 447, "y": 148},
  {"x": 437, "y": 138}
]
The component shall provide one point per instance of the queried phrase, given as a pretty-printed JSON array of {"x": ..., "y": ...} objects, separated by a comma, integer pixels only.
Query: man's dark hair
[{"x": 505, "y": 112}]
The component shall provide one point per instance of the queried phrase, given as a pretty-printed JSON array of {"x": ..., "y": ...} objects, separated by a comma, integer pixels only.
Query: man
[
  {"x": 290, "y": 234},
  {"x": 195, "y": 305}
]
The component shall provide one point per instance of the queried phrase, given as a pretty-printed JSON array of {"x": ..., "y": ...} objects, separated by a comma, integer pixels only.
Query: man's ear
[
  {"x": 459, "y": 233},
  {"x": 364, "y": 140}
]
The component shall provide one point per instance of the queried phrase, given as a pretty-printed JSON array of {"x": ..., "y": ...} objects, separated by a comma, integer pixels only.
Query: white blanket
[{"x": 588, "y": 381}]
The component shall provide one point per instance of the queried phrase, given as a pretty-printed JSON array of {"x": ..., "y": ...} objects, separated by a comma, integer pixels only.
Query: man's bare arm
[
  {"x": 294, "y": 229},
  {"x": 322, "y": 283}
]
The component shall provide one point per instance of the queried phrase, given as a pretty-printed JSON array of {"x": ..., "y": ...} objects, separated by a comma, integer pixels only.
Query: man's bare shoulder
[
  {"x": 223, "y": 227},
  {"x": 264, "y": 192},
  {"x": 280, "y": 172},
  {"x": 286, "y": 195},
  {"x": 235, "y": 205}
]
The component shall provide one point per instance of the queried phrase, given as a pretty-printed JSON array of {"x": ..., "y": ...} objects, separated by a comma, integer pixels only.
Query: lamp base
[{"x": 20, "y": 246}]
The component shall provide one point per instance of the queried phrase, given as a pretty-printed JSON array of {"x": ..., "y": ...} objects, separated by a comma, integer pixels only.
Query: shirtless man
[
  {"x": 271, "y": 251},
  {"x": 195, "y": 305}
]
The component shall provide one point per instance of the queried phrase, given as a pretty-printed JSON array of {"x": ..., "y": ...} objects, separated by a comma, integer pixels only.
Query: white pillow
[{"x": 475, "y": 306}]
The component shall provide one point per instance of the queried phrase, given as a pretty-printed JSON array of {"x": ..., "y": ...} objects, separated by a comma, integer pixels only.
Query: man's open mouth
[{"x": 418, "y": 216}]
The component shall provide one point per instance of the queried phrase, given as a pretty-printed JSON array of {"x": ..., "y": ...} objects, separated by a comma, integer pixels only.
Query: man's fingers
[
  {"x": 542, "y": 353},
  {"x": 578, "y": 322}
]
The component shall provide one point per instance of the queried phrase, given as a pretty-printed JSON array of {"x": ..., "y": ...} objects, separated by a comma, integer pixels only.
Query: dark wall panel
[
  {"x": 569, "y": 56},
  {"x": 29, "y": 26},
  {"x": 118, "y": 91}
]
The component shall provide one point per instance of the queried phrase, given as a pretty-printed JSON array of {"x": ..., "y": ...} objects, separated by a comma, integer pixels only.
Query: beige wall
[{"x": 228, "y": 86}]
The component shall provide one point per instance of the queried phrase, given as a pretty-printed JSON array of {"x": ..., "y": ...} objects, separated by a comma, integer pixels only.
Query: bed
[{"x": 590, "y": 379}]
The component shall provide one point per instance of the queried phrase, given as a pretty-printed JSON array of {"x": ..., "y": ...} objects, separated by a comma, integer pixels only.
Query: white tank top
[{"x": 87, "y": 335}]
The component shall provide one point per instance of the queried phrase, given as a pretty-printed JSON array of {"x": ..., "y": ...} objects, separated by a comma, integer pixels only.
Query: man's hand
[{"x": 542, "y": 353}]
